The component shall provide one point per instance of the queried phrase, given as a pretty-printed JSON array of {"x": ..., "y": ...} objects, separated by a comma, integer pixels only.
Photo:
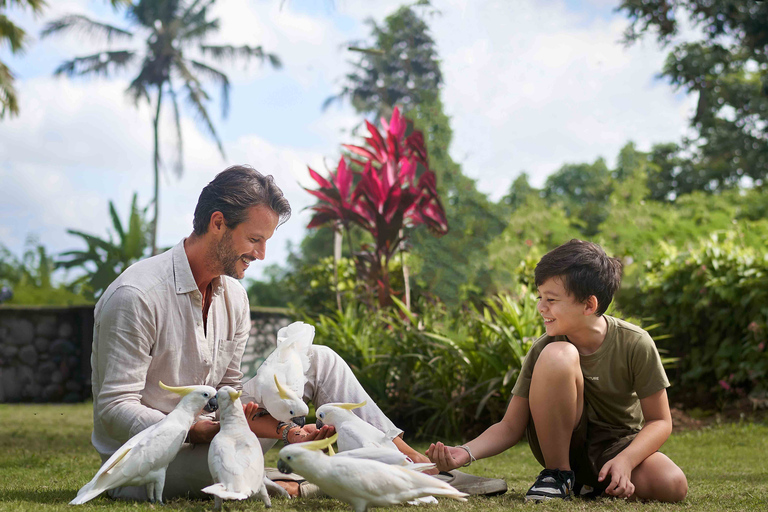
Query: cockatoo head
[
  {"x": 295, "y": 330},
  {"x": 285, "y": 405},
  {"x": 228, "y": 397},
  {"x": 195, "y": 397},
  {"x": 336, "y": 413},
  {"x": 295, "y": 456}
]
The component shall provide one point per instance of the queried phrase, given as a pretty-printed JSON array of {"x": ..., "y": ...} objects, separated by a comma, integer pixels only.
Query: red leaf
[
  {"x": 407, "y": 170},
  {"x": 360, "y": 151},
  {"x": 397, "y": 124},
  {"x": 324, "y": 183},
  {"x": 343, "y": 179}
]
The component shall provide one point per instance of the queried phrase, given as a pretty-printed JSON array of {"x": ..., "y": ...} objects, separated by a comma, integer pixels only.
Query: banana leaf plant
[
  {"x": 104, "y": 260},
  {"x": 395, "y": 190}
]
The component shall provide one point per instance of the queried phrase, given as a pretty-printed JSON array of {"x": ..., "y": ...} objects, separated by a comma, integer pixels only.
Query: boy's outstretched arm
[
  {"x": 496, "y": 438},
  {"x": 657, "y": 428}
]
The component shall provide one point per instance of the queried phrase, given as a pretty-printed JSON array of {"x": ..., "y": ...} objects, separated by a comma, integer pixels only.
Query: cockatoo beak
[
  {"x": 319, "y": 423},
  {"x": 283, "y": 467},
  {"x": 299, "y": 420},
  {"x": 320, "y": 444},
  {"x": 349, "y": 407},
  {"x": 182, "y": 390},
  {"x": 212, "y": 405}
]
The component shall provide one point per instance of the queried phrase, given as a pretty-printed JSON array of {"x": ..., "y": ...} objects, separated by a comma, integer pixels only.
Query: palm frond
[
  {"x": 9, "y": 102},
  {"x": 95, "y": 64},
  {"x": 84, "y": 25},
  {"x": 35, "y": 5},
  {"x": 198, "y": 31},
  {"x": 12, "y": 33},
  {"x": 216, "y": 76},
  {"x": 138, "y": 87},
  {"x": 195, "y": 97},
  {"x": 241, "y": 52},
  {"x": 196, "y": 12}
]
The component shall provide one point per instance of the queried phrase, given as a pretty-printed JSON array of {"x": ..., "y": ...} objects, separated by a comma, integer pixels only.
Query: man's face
[
  {"x": 238, "y": 247},
  {"x": 562, "y": 313}
]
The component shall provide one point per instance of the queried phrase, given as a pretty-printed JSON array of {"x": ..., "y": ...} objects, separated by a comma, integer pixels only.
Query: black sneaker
[{"x": 552, "y": 484}]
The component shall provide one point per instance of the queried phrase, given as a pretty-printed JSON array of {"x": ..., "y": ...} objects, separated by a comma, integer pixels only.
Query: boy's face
[{"x": 562, "y": 314}]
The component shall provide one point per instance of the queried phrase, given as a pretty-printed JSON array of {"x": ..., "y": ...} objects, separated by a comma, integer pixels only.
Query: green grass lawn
[{"x": 46, "y": 456}]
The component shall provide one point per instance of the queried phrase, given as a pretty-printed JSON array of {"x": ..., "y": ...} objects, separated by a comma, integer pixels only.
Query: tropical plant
[
  {"x": 104, "y": 260},
  {"x": 175, "y": 30},
  {"x": 16, "y": 38},
  {"x": 387, "y": 197}
]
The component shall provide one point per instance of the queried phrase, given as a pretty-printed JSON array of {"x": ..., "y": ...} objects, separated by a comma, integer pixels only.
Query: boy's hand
[
  {"x": 447, "y": 457},
  {"x": 620, "y": 472}
]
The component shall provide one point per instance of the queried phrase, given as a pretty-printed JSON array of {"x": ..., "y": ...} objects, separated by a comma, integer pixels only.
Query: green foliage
[
  {"x": 436, "y": 372},
  {"x": 400, "y": 69},
  {"x": 711, "y": 300},
  {"x": 31, "y": 279},
  {"x": 726, "y": 69},
  {"x": 104, "y": 260}
]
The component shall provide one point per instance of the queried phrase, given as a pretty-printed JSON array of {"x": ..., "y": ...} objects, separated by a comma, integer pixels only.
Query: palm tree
[
  {"x": 172, "y": 27},
  {"x": 16, "y": 39}
]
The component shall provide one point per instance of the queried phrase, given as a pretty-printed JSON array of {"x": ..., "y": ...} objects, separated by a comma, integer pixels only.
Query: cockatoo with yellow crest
[
  {"x": 353, "y": 431},
  {"x": 279, "y": 383},
  {"x": 362, "y": 483},
  {"x": 144, "y": 458},
  {"x": 234, "y": 457}
]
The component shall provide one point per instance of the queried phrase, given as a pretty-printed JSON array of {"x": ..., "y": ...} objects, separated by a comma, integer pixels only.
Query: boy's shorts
[{"x": 591, "y": 447}]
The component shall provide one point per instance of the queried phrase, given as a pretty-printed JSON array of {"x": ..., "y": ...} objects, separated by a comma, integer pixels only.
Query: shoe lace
[{"x": 554, "y": 476}]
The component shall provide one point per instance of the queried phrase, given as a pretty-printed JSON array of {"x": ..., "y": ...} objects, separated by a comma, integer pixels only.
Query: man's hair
[
  {"x": 233, "y": 191},
  {"x": 585, "y": 270}
]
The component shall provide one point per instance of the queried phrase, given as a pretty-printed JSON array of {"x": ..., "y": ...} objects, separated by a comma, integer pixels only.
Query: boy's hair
[
  {"x": 233, "y": 191},
  {"x": 585, "y": 270}
]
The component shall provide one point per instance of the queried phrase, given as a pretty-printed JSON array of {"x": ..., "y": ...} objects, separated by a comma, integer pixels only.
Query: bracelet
[
  {"x": 286, "y": 430},
  {"x": 471, "y": 457}
]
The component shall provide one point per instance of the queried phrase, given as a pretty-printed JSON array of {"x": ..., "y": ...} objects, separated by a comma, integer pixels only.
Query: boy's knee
[
  {"x": 679, "y": 486},
  {"x": 559, "y": 354}
]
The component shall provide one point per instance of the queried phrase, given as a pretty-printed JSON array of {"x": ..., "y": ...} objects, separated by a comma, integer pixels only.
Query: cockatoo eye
[
  {"x": 288, "y": 457},
  {"x": 322, "y": 415},
  {"x": 205, "y": 395},
  {"x": 290, "y": 412}
]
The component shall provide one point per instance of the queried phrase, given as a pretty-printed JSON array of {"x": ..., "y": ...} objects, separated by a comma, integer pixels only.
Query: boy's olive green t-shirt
[{"x": 626, "y": 368}]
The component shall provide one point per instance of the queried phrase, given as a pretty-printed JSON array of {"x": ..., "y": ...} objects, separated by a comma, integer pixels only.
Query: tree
[
  {"x": 582, "y": 189},
  {"x": 390, "y": 194},
  {"x": 175, "y": 30},
  {"x": 16, "y": 38},
  {"x": 727, "y": 68},
  {"x": 104, "y": 260},
  {"x": 400, "y": 69}
]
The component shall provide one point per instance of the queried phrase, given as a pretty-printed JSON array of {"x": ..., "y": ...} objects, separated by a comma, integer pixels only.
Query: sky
[{"x": 530, "y": 85}]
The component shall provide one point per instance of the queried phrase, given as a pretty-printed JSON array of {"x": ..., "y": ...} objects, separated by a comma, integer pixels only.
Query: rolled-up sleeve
[{"x": 126, "y": 332}]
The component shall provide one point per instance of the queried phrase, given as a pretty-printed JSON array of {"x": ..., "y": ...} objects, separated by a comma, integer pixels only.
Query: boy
[{"x": 591, "y": 396}]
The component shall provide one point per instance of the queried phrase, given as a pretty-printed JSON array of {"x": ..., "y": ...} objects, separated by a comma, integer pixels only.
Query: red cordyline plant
[{"x": 395, "y": 189}]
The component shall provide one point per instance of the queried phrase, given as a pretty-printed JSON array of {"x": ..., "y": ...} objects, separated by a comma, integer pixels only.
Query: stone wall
[{"x": 45, "y": 352}]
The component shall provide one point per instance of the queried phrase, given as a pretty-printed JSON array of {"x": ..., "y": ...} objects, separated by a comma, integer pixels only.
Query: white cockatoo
[
  {"x": 279, "y": 383},
  {"x": 362, "y": 483},
  {"x": 234, "y": 457},
  {"x": 354, "y": 432},
  {"x": 144, "y": 458}
]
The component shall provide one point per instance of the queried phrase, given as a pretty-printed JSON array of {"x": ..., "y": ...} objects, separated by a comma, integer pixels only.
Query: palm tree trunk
[
  {"x": 337, "y": 234},
  {"x": 157, "y": 168}
]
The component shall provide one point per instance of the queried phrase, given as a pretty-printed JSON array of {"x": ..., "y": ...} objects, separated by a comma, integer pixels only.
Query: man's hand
[
  {"x": 310, "y": 433},
  {"x": 620, "y": 472},
  {"x": 447, "y": 457},
  {"x": 203, "y": 431}
]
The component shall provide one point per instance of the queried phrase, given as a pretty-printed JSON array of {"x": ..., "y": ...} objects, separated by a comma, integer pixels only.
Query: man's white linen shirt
[{"x": 148, "y": 327}]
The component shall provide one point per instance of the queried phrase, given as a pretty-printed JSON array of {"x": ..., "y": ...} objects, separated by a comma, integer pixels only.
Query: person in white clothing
[{"x": 182, "y": 317}]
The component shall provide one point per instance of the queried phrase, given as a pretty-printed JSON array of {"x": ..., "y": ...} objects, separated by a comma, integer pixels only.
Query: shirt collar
[{"x": 184, "y": 281}]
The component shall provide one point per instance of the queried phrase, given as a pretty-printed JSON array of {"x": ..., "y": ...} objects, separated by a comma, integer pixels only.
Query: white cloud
[{"x": 528, "y": 85}]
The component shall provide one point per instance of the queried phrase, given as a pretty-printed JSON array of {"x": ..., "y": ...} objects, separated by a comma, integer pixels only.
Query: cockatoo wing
[
  {"x": 378, "y": 453},
  {"x": 237, "y": 462},
  {"x": 150, "y": 449}
]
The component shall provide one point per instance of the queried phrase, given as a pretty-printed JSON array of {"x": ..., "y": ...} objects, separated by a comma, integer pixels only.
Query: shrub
[
  {"x": 435, "y": 372},
  {"x": 712, "y": 301}
]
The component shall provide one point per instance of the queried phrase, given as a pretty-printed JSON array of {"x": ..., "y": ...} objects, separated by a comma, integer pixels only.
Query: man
[{"x": 183, "y": 318}]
